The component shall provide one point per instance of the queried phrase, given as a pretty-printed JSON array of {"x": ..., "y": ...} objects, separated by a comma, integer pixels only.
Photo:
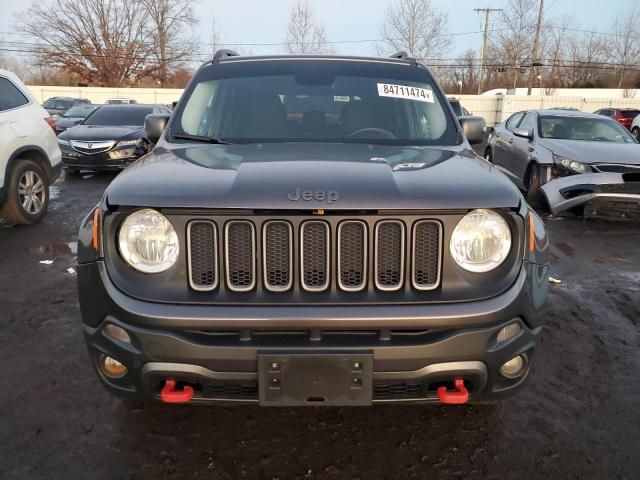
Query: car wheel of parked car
[
  {"x": 636, "y": 133},
  {"x": 488, "y": 155},
  {"x": 27, "y": 194},
  {"x": 533, "y": 185}
]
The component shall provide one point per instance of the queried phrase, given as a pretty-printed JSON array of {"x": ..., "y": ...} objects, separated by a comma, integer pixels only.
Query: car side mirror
[
  {"x": 473, "y": 128},
  {"x": 154, "y": 125},
  {"x": 524, "y": 133}
]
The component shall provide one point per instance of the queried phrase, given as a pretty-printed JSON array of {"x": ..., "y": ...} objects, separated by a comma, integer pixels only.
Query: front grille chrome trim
[
  {"x": 379, "y": 286},
  {"x": 214, "y": 247},
  {"x": 325, "y": 285},
  {"x": 230, "y": 285},
  {"x": 92, "y": 147},
  {"x": 365, "y": 256},
  {"x": 265, "y": 277},
  {"x": 415, "y": 284}
]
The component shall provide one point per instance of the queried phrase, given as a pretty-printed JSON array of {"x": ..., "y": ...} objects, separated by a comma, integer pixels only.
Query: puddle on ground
[{"x": 56, "y": 249}]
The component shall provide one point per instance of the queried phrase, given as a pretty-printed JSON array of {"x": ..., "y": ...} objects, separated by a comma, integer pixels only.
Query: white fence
[
  {"x": 100, "y": 95},
  {"x": 497, "y": 108},
  {"x": 493, "y": 108}
]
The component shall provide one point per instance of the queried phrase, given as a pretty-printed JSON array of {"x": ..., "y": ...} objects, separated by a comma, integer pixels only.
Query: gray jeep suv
[{"x": 312, "y": 230}]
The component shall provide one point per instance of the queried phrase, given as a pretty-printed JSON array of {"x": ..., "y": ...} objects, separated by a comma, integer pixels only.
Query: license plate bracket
[{"x": 331, "y": 379}]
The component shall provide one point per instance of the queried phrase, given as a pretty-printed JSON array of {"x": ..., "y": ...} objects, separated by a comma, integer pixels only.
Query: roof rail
[
  {"x": 224, "y": 53},
  {"x": 402, "y": 55}
]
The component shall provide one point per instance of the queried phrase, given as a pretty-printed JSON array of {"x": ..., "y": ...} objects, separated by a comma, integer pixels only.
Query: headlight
[
  {"x": 148, "y": 242},
  {"x": 481, "y": 241},
  {"x": 125, "y": 153},
  {"x": 571, "y": 165},
  {"x": 127, "y": 143},
  {"x": 66, "y": 143}
]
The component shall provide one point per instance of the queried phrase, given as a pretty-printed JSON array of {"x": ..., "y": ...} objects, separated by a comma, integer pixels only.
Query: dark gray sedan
[{"x": 569, "y": 159}]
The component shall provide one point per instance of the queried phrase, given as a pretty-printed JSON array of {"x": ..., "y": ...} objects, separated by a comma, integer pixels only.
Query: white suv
[{"x": 29, "y": 153}]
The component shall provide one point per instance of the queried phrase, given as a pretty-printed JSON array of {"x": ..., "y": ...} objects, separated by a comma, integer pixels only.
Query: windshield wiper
[{"x": 200, "y": 138}]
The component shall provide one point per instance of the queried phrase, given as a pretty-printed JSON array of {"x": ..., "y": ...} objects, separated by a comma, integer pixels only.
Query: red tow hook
[
  {"x": 169, "y": 394},
  {"x": 457, "y": 397}
]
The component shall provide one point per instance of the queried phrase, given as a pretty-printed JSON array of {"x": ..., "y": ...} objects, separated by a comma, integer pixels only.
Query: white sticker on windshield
[{"x": 404, "y": 91}]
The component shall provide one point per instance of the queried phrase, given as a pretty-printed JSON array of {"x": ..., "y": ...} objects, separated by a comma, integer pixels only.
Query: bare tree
[
  {"x": 585, "y": 55},
  {"x": 304, "y": 35},
  {"x": 625, "y": 48},
  {"x": 417, "y": 27},
  {"x": 111, "y": 42},
  {"x": 168, "y": 22},
  {"x": 104, "y": 42},
  {"x": 513, "y": 38},
  {"x": 555, "y": 47}
]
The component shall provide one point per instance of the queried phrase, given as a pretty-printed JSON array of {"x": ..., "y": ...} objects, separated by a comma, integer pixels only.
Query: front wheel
[{"x": 27, "y": 194}]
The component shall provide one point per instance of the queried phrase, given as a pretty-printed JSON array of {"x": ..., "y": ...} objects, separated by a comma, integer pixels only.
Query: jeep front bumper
[{"x": 412, "y": 350}]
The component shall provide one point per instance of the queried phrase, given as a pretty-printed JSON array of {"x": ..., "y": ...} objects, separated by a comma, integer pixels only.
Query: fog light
[
  {"x": 514, "y": 368},
  {"x": 117, "y": 333},
  {"x": 113, "y": 368},
  {"x": 508, "y": 332}
]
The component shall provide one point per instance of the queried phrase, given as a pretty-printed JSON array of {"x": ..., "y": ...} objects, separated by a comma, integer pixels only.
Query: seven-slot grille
[{"x": 304, "y": 252}]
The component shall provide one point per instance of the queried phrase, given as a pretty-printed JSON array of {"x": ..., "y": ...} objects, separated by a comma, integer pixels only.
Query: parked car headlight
[
  {"x": 66, "y": 143},
  {"x": 148, "y": 242},
  {"x": 571, "y": 165},
  {"x": 481, "y": 241},
  {"x": 127, "y": 143}
]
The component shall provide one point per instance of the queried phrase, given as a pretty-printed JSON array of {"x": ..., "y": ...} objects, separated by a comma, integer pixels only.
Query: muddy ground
[{"x": 578, "y": 418}]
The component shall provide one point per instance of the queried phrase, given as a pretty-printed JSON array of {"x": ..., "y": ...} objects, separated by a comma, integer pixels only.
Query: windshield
[
  {"x": 629, "y": 113},
  {"x": 79, "y": 112},
  {"x": 584, "y": 128},
  {"x": 316, "y": 101},
  {"x": 125, "y": 115},
  {"x": 56, "y": 104}
]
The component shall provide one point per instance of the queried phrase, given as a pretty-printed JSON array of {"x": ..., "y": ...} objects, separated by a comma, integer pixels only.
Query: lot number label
[{"x": 404, "y": 91}]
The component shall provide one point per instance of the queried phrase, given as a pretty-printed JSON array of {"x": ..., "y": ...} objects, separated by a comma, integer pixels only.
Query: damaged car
[{"x": 569, "y": 160}]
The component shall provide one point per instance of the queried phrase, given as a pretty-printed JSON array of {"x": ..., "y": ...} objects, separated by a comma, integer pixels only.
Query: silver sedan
[{"x": 570, "y": 160}]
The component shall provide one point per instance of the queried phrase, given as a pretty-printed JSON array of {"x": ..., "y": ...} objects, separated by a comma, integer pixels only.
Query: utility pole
[
  {"x": 487, "y": 11},
  {"x": 534, "y": 52}
]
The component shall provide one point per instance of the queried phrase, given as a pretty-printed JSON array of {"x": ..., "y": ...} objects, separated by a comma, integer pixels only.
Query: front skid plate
[{"x": 296, "y": 379}]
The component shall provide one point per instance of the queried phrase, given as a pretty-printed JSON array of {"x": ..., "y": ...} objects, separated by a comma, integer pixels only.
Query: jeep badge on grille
[{"x": 319, "y": 195}]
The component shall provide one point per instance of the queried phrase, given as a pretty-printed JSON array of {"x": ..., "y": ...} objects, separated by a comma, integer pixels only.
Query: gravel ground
[{"x": 578, "y": 418}]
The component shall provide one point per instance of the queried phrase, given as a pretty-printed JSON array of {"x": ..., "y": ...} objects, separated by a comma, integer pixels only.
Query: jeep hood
[{"x": 273, "y": 175}]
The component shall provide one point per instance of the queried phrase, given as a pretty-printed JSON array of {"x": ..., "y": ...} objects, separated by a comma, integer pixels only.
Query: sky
[{"x": 264, "y": 21}]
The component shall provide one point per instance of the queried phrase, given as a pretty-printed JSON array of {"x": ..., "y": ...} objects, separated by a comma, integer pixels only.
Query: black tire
[
  {"x": 488, "y": 155},
  {"x": 27, "y": 194},
  {"x": 636, "y": 133},
  {"x": 533, "y": 186}
]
